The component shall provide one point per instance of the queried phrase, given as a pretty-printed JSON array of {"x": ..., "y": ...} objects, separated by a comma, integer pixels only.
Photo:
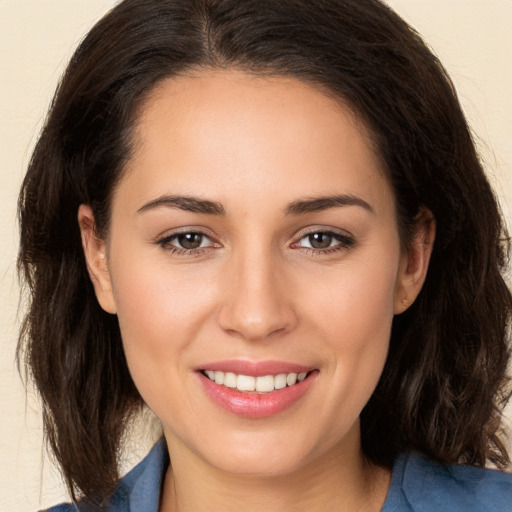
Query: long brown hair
[{"x": 444, "y": 384}]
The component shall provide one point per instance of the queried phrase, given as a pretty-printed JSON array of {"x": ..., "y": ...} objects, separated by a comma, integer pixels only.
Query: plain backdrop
[{"x": 472, "y": 37}]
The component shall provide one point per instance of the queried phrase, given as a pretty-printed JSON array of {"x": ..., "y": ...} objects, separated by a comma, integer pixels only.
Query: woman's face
[{"x": 253, "y": 241}]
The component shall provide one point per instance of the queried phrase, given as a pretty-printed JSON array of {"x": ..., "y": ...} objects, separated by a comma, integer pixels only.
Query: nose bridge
[{"x": 257, "y": 303}]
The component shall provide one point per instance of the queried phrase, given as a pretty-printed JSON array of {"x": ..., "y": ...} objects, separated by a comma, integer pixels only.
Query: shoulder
[
  {"x": 64, "y": 507},
  {"x": 138, "y": 490},
  {"x": 422, "y": 485}
]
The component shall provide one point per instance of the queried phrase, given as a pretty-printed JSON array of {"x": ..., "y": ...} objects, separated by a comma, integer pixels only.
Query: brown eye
[
  {"x": 323, "y": 242},
  {"x": 187, "y": 243},
  {"x": 190, "y": 240},
  {"x": 320, "y": 240}
]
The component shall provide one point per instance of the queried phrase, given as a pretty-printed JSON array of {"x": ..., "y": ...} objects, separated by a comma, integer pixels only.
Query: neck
[{"x": 339, "y": 481}]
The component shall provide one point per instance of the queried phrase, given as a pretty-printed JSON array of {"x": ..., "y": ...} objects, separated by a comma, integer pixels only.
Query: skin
[{"x": 256, "y": 289}]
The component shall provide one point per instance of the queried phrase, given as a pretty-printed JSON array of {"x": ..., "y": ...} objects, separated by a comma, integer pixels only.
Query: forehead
[
  {"x": 225, "y": 132},
  {"x": 203, "y": 95}
]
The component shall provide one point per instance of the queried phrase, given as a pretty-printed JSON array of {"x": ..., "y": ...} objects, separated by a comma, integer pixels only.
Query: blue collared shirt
[{"x": 417, "y": 485}]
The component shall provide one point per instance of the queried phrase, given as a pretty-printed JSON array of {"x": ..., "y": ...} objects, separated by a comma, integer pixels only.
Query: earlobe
[
  {"x": 415, "y": 261},
  {"x": 95, "y": 252}
]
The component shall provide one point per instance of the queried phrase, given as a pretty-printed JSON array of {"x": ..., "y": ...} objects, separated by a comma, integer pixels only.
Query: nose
[{"x": 257, "y": 302}]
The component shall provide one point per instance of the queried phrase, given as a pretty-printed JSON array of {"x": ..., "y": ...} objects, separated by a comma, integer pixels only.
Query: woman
[{"x": 266, "y": 221}]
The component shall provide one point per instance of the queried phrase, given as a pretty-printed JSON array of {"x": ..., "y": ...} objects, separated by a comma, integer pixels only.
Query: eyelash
[
  {"x": 166, "y": 244},
  {"x": 345, "y": 242}
]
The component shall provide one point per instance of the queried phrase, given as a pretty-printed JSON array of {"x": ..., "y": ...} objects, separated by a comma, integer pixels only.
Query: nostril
[
  {"x": 254, "y": 326},
  {"x": 256, "y": 301}
]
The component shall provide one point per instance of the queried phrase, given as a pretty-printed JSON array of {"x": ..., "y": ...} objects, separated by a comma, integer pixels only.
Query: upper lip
[{"x": 255, "y": 368}]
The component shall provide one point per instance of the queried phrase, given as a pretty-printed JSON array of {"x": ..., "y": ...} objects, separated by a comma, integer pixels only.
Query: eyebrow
[
  {"x": 317, "y": 204},
  {"x": 300, "y": 207},
  {"x": 188, "y": 203}
]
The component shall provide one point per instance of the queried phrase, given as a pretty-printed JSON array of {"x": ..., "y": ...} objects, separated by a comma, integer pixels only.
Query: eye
[
  {"x": 190, "y": 240},
  {"x": 325, "y": 241},
  {"x": 186, "y": 241}
]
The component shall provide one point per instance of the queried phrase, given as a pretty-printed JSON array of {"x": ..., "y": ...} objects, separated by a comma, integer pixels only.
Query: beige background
[{"x": 472, "y": 37}]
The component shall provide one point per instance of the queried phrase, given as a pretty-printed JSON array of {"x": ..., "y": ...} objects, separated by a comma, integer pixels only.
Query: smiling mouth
[{"x": 250, "y": 384}]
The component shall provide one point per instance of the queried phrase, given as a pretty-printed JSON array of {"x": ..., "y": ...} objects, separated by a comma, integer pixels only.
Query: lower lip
[{"x": 256, "y": 405}]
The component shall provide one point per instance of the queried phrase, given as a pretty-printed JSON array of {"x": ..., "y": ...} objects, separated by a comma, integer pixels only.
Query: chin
[
  {"x": 259, "y": 464},
  {"x": 272, "y": 452}
]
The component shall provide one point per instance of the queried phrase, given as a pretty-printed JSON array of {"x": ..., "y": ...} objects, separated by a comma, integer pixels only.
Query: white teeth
[
  {"x": 291, "y": 379},
  {"x": 230, "y": 380},
  {"x": 245, "y": 383},
  {"x": 280, "y": 381},
  {"x": 265, "y": 384},
  {"x": 262, "y": 384}
]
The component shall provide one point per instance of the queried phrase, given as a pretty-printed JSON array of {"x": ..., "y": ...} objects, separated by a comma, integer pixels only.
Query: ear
[
  {"x": 95, "y": 252},
  {"x": 415, "y": 260}
]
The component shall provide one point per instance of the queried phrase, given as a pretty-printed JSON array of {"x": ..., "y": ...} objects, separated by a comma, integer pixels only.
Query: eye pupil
[
  {"x": 190, "y": 240},
  {"x": 320, "y": 240}
]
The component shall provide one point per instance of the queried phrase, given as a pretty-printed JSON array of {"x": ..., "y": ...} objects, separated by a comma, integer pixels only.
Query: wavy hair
[{"x": 444, "y": 384}]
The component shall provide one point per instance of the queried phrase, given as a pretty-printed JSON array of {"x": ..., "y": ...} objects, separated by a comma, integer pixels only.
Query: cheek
[
  {"x": 353, "y": 317},
  {"x": 354, "y": 299},
  {"x": 151, "y": 295},
  {"x": 160, "y": 312}
]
